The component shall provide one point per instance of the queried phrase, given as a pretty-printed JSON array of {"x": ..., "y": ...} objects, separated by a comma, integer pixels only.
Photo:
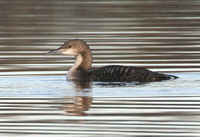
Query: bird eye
[{"x": 70, "y": 46}]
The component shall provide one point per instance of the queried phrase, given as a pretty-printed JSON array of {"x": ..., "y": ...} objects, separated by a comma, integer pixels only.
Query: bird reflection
[{"x": 78, "y": 105}]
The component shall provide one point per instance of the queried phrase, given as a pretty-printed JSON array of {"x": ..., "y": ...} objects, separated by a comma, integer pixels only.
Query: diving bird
[{"x": 112, "y": 73}]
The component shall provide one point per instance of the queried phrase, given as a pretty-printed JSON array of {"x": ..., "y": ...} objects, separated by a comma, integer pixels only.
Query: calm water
[
  {"x": 51, "y": 106},
  {"x": 36, "y": 100}
]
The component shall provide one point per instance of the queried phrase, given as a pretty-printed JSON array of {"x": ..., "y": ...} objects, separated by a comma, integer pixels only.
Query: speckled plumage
[
  {"x": 115, "y": 73},
  {"x": 126, "y": 73}
]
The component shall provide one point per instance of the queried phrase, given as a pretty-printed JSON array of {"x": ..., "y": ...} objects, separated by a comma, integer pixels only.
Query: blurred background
[{"x": 162, "y": 35}]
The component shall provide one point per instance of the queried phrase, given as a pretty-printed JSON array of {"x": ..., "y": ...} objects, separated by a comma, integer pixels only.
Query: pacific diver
[{"x": 112, "y": 73}]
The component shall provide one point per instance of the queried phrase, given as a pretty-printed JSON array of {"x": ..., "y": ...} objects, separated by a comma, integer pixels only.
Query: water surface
[
  {"x": 187, "y": 84},
  {"x": 52, "y": 106},
  {"x": 161, "y": 35}
]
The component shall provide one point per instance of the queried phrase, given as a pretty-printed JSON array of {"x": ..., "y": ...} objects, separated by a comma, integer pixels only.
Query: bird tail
[
  {"x": 173, "y": 77},
  {"x": 161, "y": 77}
]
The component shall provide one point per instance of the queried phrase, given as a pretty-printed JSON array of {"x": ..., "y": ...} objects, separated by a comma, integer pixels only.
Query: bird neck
[{"x": 83, "y": 61}]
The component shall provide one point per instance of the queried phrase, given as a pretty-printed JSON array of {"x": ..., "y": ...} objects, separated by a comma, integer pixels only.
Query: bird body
[
  {"x": 112, "y": 73},
  {"x": 126, "y": 73}
]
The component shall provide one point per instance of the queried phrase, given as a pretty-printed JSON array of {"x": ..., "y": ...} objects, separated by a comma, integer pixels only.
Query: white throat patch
[{"x": 69, "y": 52}]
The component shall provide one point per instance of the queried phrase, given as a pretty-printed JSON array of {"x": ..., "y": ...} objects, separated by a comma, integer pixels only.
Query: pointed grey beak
[{"x": 55, "y": 51}]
